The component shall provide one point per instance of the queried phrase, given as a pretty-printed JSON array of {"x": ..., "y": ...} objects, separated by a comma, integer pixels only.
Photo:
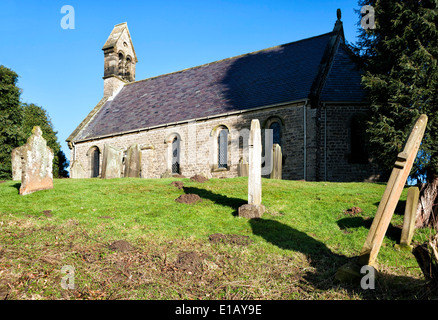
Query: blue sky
[{"x": 61, "y": 70}]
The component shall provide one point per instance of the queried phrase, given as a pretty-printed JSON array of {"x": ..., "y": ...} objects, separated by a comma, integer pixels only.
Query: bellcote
[{"x": 119, "y": 54}]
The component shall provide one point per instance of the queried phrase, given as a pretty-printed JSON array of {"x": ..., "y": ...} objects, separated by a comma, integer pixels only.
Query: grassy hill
[{"x": 130, "y": 239}]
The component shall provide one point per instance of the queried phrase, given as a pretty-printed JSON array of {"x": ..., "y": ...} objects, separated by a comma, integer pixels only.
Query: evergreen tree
[
  {"x": 399, "y": 57},
  {"x": 16, "y": 123},
  {"x": 10, "y": 119}
]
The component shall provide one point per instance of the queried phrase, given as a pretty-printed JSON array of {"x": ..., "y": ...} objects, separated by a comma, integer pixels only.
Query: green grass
[{"x": 293, "y": 253}]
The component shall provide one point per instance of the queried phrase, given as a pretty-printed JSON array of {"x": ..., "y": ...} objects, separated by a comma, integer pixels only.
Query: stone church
[{"x": 193, "y": 121}]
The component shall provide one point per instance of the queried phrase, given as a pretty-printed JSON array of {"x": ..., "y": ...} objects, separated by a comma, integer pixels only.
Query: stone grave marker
[
  {"x": 17, "y": 166},
  {"x": 409, "y": 219},
  {"x": 243, "y": 167},
  {"x": 277, "y": 162},
  {"x": 254, "y": 208},
  {"x": 133, "y": 162},
  {"x": 77, "y": 171},
  {"x": 37, "y": 164},
  {"x": 112, "y": 162}
]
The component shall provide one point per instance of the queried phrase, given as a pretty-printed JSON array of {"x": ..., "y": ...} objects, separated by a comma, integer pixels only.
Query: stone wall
[
  {"x": 198, "y": 145},
  {"x": 335, "y": 159}
]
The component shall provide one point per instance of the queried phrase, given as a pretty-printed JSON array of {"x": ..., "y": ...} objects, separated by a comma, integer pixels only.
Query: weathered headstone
[
  {"x": 277, "y": 162},
  {"x": 242, "y": 167},
  {"x": 17, "y": 163},
  {"x": 37, "y": 164},
  {"x": 409, "y": 219},
  {"x": 77, "y": 171},
  {"x": 390, "y": 198},
  {"x": 133, "y": 162},
  {"x": 112, "y": 162},
  {"x": 254, "y": 208}
]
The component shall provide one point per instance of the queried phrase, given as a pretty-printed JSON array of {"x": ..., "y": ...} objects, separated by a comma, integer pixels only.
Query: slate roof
[
  {"x": 272, "y": 76},
  {"x": 343, "y": 82}
]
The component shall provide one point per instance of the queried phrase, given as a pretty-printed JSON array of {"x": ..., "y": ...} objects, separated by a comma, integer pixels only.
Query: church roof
[{"x": 315, "y": 68}]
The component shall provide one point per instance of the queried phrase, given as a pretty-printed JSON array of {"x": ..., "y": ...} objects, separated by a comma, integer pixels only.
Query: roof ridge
[{"x": 230, "y": 58}]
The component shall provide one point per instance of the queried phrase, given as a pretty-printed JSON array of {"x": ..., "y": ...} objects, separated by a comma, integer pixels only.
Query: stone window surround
[
  {"x": 169, "y": 152},
  {"x": 89, "y": 155},
  {"x": 214, "y": 135}
]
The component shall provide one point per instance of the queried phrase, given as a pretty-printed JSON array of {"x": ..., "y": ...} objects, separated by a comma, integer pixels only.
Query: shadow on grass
[
  {"x": 325, "y": 263},
  {"x": 16, "y": 186},
  {"x": 319, "y": 256},
  {"x": 222, "y": 200},
  {"x": 393, "y": 232}
]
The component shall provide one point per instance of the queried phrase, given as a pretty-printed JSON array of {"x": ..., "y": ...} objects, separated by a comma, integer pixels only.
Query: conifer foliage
[{"x": 399, "y": 57}]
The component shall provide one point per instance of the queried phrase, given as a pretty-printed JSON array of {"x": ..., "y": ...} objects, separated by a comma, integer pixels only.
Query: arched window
[
  {"x": 175, "y": 156},
  {"x": 128, "y": 67},
  {"x": 121, "y": 64},
  {"x": 173, "y": 153},
  {"x": 276, "y": 132},
  {"x": 222, "y": 148},
  {"x": 94, "y": 154},
  {"x": 276, "y": 124}
]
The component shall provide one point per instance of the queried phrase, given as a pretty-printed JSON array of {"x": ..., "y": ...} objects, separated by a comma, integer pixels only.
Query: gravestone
[
  {"x": 133, "y": 162},
  {"x": 409, "y": 219},
  {"x": 77, "y": 171},
  {"x": 277, "y": 162},
  {"x": 390, "y": 198},
  {"x": 37, "y": 164},
  {"x": 17, "y": 166},
  {"x": 112, "y": 162},
  {"x": 242, "y": 167},
  {"x": 254, "y": 208}
]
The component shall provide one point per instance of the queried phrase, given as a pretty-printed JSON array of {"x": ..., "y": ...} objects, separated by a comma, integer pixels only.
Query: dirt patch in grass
[
  {"x": 2, "y": 181},
  {"x": 199, "y": 178},
  {"x": 230, "y": 239},
  {"x": 353, "y": 211},
  {"x": 188, "y": 198},
  {"x": 121, "y": 245},
  {"x": 177, "y": 184},
  {"x": 48, "y": 213},
  {"x": 190, "y": 261}
]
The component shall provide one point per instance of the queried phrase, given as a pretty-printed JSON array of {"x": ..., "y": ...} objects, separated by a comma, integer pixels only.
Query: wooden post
[{"x": 391, "y": 196}]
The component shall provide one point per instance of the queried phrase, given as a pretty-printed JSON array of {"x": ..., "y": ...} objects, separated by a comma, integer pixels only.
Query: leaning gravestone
[
  {"x": 37, "y": 164},
  {"x": 17, "y": 159},
  {"x": 77, "y": 171},
  {"x": 409, "y": 219},
  {"x": 390, "y": 198},
  {"x": 133, "y": 162},
  {"x": 254, "y": 208},
  {"x": 112, "y": 162},
  {"x": 277, "y": 162}
]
